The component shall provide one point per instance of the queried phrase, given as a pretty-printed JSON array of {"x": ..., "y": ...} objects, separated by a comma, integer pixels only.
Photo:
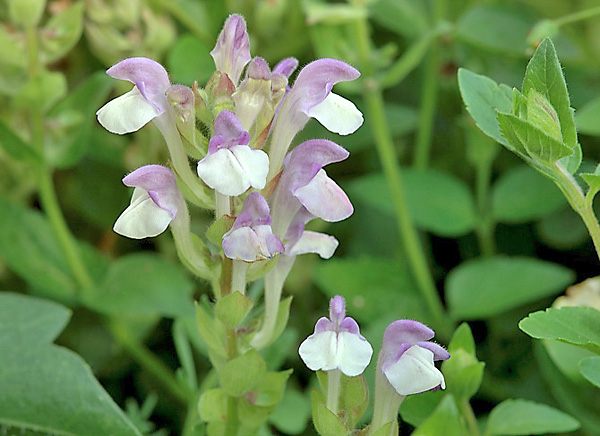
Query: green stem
[
  {"x": 572, "y": 191},
  {"x": 427, "y": 114},
  {"x": 577, "y": 16},
  {"x": 387, "y": 156},
  {"x": 471, "y": 421},
  {"x": 149, "y": 361},
  {"x": 486, "y": 225}
]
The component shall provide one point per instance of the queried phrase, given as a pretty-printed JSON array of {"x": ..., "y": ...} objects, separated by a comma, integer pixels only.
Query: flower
[
  {"x": 407, "y": 357},
  {"x": 336, "y": 343},
  {"x": 144, "y": 102},
  {"x": 154, "y": 204},
  {"x": 231, "y": 166},
  {"x": 251, "y": 238},
  {"x": 311, "y": 97},
  {"x": 232, "y": 50},
  {"x": 304, "y": 183}
]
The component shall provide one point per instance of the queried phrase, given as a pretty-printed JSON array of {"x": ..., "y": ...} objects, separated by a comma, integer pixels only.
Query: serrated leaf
[
  {"x": 575, "y": 325},
  {"x": 486, "y": 287},
  {"x": 539, "y": 146},
  {"x": 484, "y": 98},
  {"x": 544, "y": 74},
  {"x": 437, "y": 201},
  {"x": 522, "y": 194},
  {"x": 523, "y": 417},
  {"x": 590, "y": 369},
  {"x": 143, "y": 284},
  {"x": 46, "y": 388}
]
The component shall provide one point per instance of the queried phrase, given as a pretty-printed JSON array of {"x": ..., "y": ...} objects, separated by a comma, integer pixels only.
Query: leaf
[
  {"x": 415, "y": 409},
  {"x": 75, "y": 116},
  {"x": 46, "y": 388},
  {"x": 522, "y": 194},
  {"x": 486, "y": 287},
  {"x": 240, "y": 374},
  {"x": 292, "y": 414},
  {"x": 590, "y": 369},
  {"x": 593, "y": 181},
  {"x": 575, "y": 325},
  {"x": 538, "y": 145},
  {"x": 437, "y": 202},
  {"x": 544, "y": 74},
  {"x": 372, "y": 287},
  {"x": 586, "y": 118},
  {"x": 43, "y": 90},
  {"x": 484, "y": 98},
  {"x": 562, "y": 230},
  {"x": 445, "y": 420},
  {"x": 143, "y": 284},
  {"x": 523, "y": 417},
  {"x": 16, "y": 147},
  {"x": 403, "y": 17},
  {"x": 61, "y": 33},
  {"x": 495, "y": 28},
  {"x": 186, "y": 69}
]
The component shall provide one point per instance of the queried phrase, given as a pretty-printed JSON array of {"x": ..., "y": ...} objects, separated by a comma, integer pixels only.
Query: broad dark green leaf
[
  {"x": 544, "y": 74},
  {"x": 293, "y": 413},
  {"x": 403, "y": 17},
  {"x": 538, "y": 145},
  {"x": 438, "y": 202},
  {"x": 143, "y": 284},
  {"x": 495, "y": 28},
  {"x": 186, "y": 69},
  {"x": 523, "y": 194},
  {"x": 575, "y": 325},
  {"x": 415, "y": 409},
  {"x": 587, "y": 118},
  {"x": 484, "y": 98},
  {"x": 46, "y": 388},
  {"x": 522, "y": 417},
  {"x": 486, "y": 287},
  {"x": 562, "y": 230},
  {"x": 590, "y": 369},
  {"x": 16, "y": 147},
  {"x": 372, "y": 287}
]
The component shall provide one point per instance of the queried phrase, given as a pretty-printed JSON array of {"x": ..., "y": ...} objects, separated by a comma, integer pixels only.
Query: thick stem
[{"x": 578, "y": 16}]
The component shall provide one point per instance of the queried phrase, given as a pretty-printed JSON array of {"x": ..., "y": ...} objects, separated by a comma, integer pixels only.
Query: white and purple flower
[
  {"x": 336, "y": 343},
  {"x": 156, "y": 201},
  {"x": 232, "y": 50}
]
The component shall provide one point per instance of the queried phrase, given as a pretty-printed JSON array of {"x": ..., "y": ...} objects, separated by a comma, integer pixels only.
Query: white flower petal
[
  {"x": 324, "y": 198},
  {"x": 414, "y": 372},
  {"x": 318, "y": 351},
  {"x": 255, "y": 164},
  {"x": 354, "y": 354},
  {"x": 127, "y": 113},
  {"x": 143, "y": 218},
  {"x": 337, "y": 114},
  {"x": 314, "y": 242},
  {"x": 222, "y": 172}
]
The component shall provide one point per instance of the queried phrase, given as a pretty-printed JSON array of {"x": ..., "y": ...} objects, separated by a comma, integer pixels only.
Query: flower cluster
[{"x": 265, "y": 195}]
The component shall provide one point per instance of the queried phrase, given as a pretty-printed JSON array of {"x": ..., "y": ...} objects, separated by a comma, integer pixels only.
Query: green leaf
[
  {"x": 46, "y": 388},
  {"x": 495, "y": 28},
  {"x": 544, "y": 74},
  {"x": 523, "y": 135},
  {"x": 593, "y": 181},
  {"x": 75, "y": 118},
  {"x": 211, "y": 331},
  {"x": 233, "y": 308},
  {"x": 43, "y": 91},
  {"x": 542, "y": 114},
  {"x": 372, "y": 287},
  {"x": 438, "y": 202},
  {"x": 186, "y": 69},
  {"x": 240, "y": 374},
  {"x": 403, "y": 17},
  {"x": 484, "y": 98},
  {"x": 12, "y": 53},
  {"x": 486, "y": 287},
  {"x": 61, "y": 33},
  {"x": 575, "y": 325},
  {"x": 523, "y": 194},
  {"x": 415, "y": 409},
  {"x": 586, "y": 118},
  {"x": 16, "y": 147},
  {"x": 143, "y": 284},
  {"x": 325, "y": 421},
  {"x": 522, "y": 417},
  {"x": 445, "y": 420},
  {"x": 292, "y": 414},
  {"x": 590, "y": 369},
  {"x": 562, "y": 230},
  {"x": 213, "y": 405}
]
